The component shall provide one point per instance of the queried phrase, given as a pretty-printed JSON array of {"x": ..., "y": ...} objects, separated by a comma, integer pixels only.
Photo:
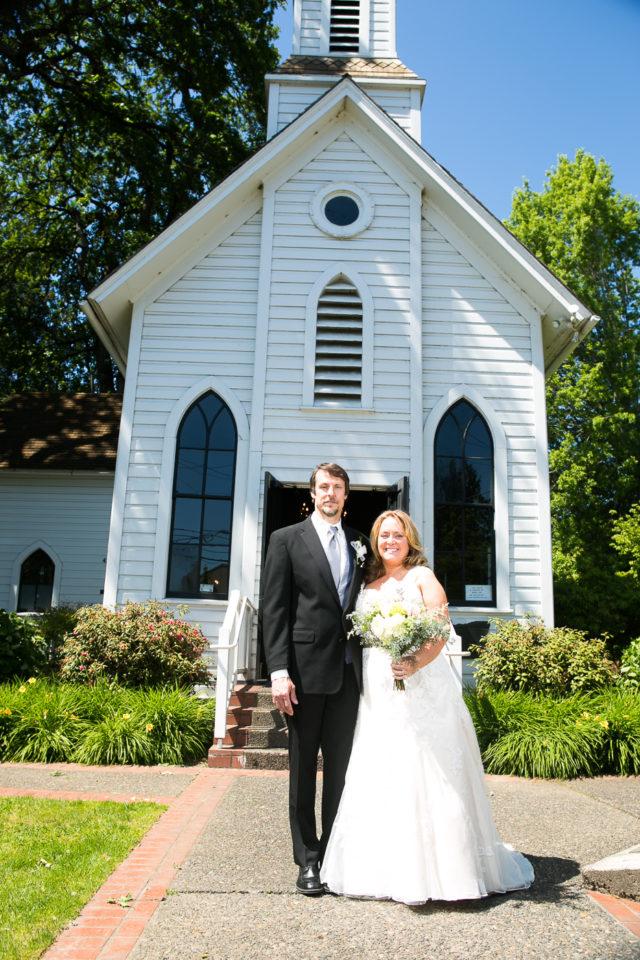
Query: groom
[{"x": 312, "y": 576}]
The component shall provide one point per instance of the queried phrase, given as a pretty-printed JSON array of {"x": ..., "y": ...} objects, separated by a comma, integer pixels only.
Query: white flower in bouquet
[{"x": 400, "y": 629}]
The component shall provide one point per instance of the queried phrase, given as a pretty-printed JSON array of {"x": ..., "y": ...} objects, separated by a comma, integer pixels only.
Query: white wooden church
[{"x": 340, "y": 296}]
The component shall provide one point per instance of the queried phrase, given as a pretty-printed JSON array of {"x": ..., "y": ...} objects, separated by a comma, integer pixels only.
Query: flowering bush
[
  {"x": 528, "y": 656},
  {"x": 22, "y": 647},
  {"x": 138, "y": 645},
  {"x": 630, "y": 666}
]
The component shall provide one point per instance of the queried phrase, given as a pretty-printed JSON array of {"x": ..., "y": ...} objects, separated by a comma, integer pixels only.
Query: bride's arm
[{"x": 434, "y": 598}]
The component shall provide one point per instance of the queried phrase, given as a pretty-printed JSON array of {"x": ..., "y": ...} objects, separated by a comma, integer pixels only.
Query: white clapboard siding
[
  {"x": 302, "y": 252},
  {"x": 473, "y": 336},
  {"x": 202, "y": 326},
  {"x": 69, "y": 513},
  {"x": 294, "y": 99}
]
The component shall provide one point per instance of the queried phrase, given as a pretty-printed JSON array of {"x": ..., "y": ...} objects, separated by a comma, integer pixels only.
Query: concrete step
[{"x": 617, "y": 875}]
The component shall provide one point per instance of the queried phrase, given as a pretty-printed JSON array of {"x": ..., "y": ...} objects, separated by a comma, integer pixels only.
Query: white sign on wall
[{"x": 477, "y": 591}]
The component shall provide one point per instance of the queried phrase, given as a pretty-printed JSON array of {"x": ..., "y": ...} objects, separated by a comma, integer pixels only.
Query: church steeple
[{"x": 335, "y": 38}]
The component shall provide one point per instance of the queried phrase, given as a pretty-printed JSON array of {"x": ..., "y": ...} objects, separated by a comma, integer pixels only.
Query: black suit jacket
[{"x": 304, "y": 625}]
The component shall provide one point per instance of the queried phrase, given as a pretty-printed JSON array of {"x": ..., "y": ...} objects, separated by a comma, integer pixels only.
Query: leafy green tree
[
  {"x": 114, "y": 118},
  {"x": 589, "y": 235}
]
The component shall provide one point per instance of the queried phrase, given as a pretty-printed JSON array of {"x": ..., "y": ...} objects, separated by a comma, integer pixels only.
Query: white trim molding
[{"x": 500, "y": 476}]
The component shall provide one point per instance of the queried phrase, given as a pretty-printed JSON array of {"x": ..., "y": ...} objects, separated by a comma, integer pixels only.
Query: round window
[{"x": 341, "y": 211}]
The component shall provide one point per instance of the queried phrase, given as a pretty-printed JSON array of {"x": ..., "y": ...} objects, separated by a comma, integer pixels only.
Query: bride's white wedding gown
[{"x": 414, "y": 822}]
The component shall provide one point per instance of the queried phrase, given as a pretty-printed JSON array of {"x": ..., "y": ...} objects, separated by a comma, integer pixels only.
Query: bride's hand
[{"x": 404, "y": 668}]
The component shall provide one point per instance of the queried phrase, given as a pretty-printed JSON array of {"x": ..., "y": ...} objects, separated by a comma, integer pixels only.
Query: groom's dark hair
[{"x": 334, "y": 470}]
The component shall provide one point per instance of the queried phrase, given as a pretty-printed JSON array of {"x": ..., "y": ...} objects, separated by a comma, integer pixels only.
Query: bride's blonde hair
[{"x": 415, "y": 557}]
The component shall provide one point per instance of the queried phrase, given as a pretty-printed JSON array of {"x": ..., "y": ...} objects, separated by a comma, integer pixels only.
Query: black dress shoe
[{"x": 309, "y": 882}]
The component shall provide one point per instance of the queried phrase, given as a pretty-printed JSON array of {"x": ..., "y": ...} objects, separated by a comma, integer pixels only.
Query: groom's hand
[{"x": 283, "y": 694}]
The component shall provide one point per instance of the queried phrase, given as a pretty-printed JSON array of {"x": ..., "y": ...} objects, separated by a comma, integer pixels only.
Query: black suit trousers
[{"x": 320, "y": 722}]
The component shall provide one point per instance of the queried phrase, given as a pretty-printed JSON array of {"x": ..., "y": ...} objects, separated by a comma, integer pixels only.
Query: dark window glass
[
  {"x": 36, "y": 582},
  {"x": 341, "y": 211},
  {"x": 464, "y": 507},
  {"x": 200, "y": 546}
]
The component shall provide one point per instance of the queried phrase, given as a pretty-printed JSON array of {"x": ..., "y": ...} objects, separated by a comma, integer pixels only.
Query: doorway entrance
[{"x": 287, "y": 503}]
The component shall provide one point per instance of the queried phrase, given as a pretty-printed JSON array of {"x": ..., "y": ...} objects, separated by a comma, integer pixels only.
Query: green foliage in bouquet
[
  {"x": 138, "y": 645},
  {"x": 23, "y": 650},
  {"x": 528, "y": 656}
]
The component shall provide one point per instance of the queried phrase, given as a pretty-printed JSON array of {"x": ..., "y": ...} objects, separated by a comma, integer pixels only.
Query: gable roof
[
  {"x": 565, "y": 320},
  {"x": 44, "y": 431}
]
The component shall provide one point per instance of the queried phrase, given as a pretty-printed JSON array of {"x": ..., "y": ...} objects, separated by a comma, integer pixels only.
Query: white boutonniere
[{"x": 360, "y": 550}]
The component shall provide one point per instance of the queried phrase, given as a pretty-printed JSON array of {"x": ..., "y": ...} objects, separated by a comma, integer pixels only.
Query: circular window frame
[{"x": 356, "y": 193}]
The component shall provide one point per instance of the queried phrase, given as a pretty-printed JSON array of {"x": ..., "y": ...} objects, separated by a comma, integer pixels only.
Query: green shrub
[
  {"x": 585, "y": 735},
  {"x": 42, "y": 720},
  {"x": 23, "y": 650},
  {"x": 139, "y": 645},
  {"x": 528, "y": 656},
  {"x": 54, "y": 623},
  {"x": 630, "y": 666}
]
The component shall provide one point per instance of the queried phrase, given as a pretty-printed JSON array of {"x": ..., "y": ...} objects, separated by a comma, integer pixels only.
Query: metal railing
[{"x": 232, "y": 655}]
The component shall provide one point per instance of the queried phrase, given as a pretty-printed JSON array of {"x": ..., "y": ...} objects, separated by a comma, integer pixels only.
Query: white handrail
[{"x": 233, "y": 655}]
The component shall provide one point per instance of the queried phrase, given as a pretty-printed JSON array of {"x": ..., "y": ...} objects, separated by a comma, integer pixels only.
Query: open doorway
[{"x": 287, "y": 503}]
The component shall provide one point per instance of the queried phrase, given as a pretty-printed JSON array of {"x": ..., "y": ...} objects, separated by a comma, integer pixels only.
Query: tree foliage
[
  {"x": 589, "y": 235},
  {"x": 114, "y": 118}
]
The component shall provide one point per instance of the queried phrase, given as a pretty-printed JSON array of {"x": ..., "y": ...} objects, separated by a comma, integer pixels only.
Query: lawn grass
[{"x": 54, "y": 855}]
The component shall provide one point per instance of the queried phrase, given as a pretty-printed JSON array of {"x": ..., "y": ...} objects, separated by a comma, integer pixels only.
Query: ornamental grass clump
[
  {"x": 139, "y": 645},
  {"x": 528, "y": 656},
  {"x": 45, "y": 721},
  {"x": 531, "y": 735}
]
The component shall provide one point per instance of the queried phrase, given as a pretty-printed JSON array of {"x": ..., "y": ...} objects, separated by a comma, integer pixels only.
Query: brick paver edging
[
  {"x": 626, "y": 912},
  {"x": 105, "y": 930}
]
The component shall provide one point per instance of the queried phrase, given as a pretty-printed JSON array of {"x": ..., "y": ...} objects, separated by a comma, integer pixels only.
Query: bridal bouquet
[{"x": 400, "y": 629}]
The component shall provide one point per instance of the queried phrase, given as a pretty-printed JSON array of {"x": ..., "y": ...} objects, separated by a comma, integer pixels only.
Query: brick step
[
  {"x": 251, "y": 695},
  {"x": 256, "y": 737},
  {"x": 273, "y": 758},
  {"x": 256, "y": 717}
]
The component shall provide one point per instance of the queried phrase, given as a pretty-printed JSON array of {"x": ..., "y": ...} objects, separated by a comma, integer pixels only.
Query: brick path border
[{"x": 104, "y": 930}]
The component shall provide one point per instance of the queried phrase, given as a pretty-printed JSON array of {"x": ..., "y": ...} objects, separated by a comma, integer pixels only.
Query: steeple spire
[{"x": 337, "y": 38}]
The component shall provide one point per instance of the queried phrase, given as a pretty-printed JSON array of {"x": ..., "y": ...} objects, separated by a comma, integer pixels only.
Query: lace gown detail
[{"x": 414, "y": 822}]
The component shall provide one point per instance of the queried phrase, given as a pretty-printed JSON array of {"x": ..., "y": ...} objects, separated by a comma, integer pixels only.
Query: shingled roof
[
  {"x": 43, "y": 431},
  {"x": 341, "y": 66}
]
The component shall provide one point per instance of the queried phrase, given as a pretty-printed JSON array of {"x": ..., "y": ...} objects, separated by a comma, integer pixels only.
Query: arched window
[
  {"x": 36, "y": 582},
  {"x": 338, "y": 356},
  {"x": 464, "y": 560},
  {"x": 200, "y": 545}
]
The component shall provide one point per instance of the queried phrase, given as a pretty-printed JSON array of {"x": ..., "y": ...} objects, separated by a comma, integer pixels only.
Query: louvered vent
[
  {"x": 338, "y": 369},
  {"x": 344, "y": 31}
]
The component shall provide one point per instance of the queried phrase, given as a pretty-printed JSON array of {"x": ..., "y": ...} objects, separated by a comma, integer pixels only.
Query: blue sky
[{"x": 510, "y": 85}]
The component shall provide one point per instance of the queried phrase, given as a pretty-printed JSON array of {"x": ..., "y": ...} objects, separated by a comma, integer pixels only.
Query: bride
[{"x": 414, "y": 822}]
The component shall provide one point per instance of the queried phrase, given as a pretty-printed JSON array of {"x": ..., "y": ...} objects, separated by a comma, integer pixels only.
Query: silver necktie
[{"x": 333, "y": 555}]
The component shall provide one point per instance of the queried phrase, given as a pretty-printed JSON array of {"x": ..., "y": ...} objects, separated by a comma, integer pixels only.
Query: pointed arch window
[
  {"x": 200, "y": 543},
  {"x": 464, "y": 558},
  {"x": 344, "y": 27},
  {"x": 338, "y": 348},
  {"x": 36, "y": 582}
]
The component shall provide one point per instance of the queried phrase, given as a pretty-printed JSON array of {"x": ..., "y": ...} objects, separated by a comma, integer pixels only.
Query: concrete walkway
[{"x": 214, "y": 877}]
